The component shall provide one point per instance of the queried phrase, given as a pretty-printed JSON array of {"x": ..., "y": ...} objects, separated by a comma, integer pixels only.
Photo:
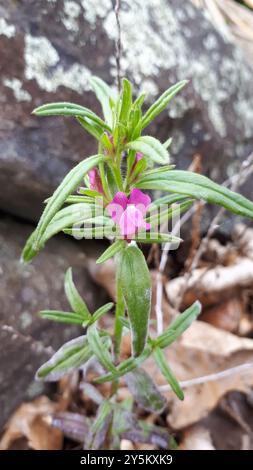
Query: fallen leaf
[
  {"x": 30, "y": 421},
  {"x": 203, "y": 350},
  {"x": 211, "y": 286},
  {"x": 225, "y": 315},
  {"x": 196, "y": 438}
]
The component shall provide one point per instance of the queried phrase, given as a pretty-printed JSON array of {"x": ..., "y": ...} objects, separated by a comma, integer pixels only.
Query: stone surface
[
  {"x": 50, "y": 48},
  {"x": 26, "y": 289}
]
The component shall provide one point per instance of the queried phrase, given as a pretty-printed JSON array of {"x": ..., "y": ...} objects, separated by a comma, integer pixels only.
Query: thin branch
[
  {"x": 211, "y": 377},
  {"x": 118, "y": 44}
]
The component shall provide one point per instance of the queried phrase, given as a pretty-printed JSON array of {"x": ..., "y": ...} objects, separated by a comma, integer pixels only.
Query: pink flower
[
  {"x": 138, "y": 157},
  {"x": 95, "y": 181},
  {"x": 129, "y": 213}
]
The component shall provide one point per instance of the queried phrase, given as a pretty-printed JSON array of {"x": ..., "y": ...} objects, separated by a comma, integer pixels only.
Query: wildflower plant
[{"x": 108, "y": 196}]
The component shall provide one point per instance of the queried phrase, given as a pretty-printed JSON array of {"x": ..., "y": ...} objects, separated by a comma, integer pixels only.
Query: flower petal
[
  {"x": 121, "y": 199},
  {"x": 131, "y": 220},
  {"x": 139, "y": 199},
  {"x": 117, "y": 206}
]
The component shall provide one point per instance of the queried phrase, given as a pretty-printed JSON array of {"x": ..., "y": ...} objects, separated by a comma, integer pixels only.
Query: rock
[
  {"x": 58, "y": 44},
  {"x": 26, "y": 339},
  {"x": 20, "y": 357}
]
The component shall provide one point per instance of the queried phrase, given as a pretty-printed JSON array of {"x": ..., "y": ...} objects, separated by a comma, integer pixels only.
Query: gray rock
[
  {"x": 25, "y": 339},
  {"x": 50, "y": 48},
  {"x": 20, "y": 357}
]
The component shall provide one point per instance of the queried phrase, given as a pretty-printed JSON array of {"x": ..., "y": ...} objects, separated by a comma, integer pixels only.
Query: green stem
[
  {"x": 118, "y": 177},
  {"x": 104, "y": 181},
  {"x": 118, "y": 327}
]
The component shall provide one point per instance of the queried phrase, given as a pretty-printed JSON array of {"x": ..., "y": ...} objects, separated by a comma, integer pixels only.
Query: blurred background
[{"x": 48, "y": 51}]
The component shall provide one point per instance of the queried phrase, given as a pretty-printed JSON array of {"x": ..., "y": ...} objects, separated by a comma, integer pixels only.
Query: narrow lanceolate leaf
[
  {"x": 151, "y": 148},
  {"x": 99, "y": 349},
  {"x": 74, "y": 298},
  {"x": 126, "y": 102},
  {"x": 100, "y": 428},
  {"x": 93, "y": 128},
  {"x": 168, "y": 200},
  {"x": 101, "y": 311},
  {"x": 126, "y": 366},
  {"x": 104, "y": 94},
  {"x": 167, "y": 143},
  {"x": 134, "y": 278},
  {"x": 68, "y": 185},
  {"x": 178, "y": 326},
  {"x": 62, "y": 317},
  {"x": 70, "y": 109},
  {"x": 199, "y": 187},
  {"x": 75, "y": 214},
  {"x": 161, "y": 361},
  {"x": 144, "y": 391},
  {"x": 165, "y": 215},
  {"x": 70, "y": 356},
  {"x": 156, "y": 237},
  {"x": 162, "y": 103},
  {"x": 115, "y": 248}
]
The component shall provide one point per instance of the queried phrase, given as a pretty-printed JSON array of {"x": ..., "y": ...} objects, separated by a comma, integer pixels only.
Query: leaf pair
[
  {"x": 177, "y": 327},
  {"x": 80, "y": 315}
]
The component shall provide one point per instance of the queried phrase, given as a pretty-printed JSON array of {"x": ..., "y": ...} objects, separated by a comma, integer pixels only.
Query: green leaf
[
  {"x": 126, "y": 366},
  {"x": 178, "y": 326},
  {"x": 105, "y": 95},
  {"x": 70, "y": 356},
  {"x": 139, "y": 167},
  {"x": 62, "y": 317},
  {"x": 106, "y": 142},
  {"x": 70, "y": 109},
  {"x": 155, "y": 237},
  {"x": 151, "y": 148},
  {"x": 75, "y": 300},
  {"x": 134, "y": 279},
  {"x": 168, "y": 142},
  {"x": 126, "y": 101},
  {"x": 91, "y": 127},
  {"x": 166, "y": 215},
  {"x": 101, "y": 311},
  {"x": 162, "y": 103},
  {"x": 139, "y": 100},
  {"x": 115, "y": 248},
  {"x": 161, "y": 361},
  {"x": 98, "y": 348},
  {"x": 100, "y": 427},
  {"x": 199, "y": 187},
  {"x": 144, "y": 391},
  {"x": 74, "y": 199},
  {"x": 68, "y": 216},
  {"x": 68, "y": 185},
  {"x": 166, "y": 200}
]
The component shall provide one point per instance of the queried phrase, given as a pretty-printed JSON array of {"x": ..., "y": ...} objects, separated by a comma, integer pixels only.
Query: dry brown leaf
[
  {"x": 213, "y": 285},
  {"x": 202, "y": 350},
  {"x": 196, "y": 438},
  {"x": 29, "y": 421},
  {"x": 225, "y": 315}
]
